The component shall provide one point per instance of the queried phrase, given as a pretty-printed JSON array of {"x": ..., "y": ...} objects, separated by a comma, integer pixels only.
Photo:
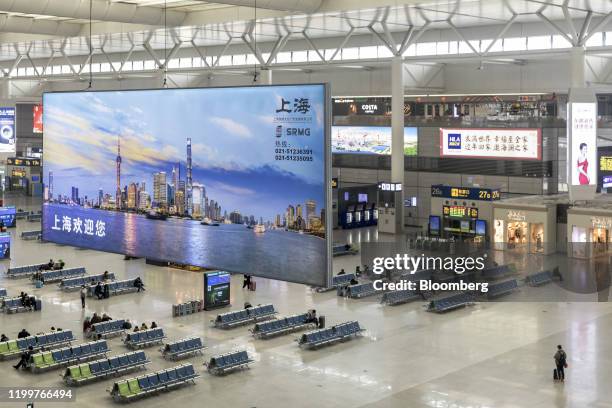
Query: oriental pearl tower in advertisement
[{"x": 118, "y": 193}]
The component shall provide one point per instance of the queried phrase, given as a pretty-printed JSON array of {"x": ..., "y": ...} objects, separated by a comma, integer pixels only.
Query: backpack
[{"x": 563, "y": 358}]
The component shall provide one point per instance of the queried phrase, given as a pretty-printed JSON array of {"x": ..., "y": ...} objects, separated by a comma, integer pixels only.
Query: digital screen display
[
  {"x": 7, "y": 130},
  {"x": 37, "y": 119},
  {"x": 362, "y": 198},
  {"x": 216, "y": 289},
  {"x": 469, "y": 193},
  {"x": 8, "y": 216},
  {"x": 459, "y": 211},
  {"x": 481, "y": 227},
  {"x": 523, "y": 144},
  {"x": 583, "y": 168},
  {"x": 370, "y": 140},
  {"x": 434, "y": 225},
  {"x": 604, "y": 168},
  {"x": 200, "y": 177},
  {"x": 5, "y": 245}
]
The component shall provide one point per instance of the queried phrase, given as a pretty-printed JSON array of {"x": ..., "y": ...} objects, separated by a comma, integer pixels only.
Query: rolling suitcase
[
  {"x": 555, "y": 375},
  {"x": 321, "y": 322},
  {"x": 253, "y": 286}
]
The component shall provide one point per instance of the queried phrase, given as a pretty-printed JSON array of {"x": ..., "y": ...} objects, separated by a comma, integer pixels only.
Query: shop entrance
[{"x": 517, "y": 234}]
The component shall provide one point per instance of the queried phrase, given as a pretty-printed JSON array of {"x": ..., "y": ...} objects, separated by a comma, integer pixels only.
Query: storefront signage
[
  {"x": 516, "y": 215},
  {"x": 583, "y": 143},
  {"x": 604, "y": 178},
  {"x": 601, "y": 222},
  {"x": 334, "y": 182},
  {"x": 18, "y": 161},
  {"x": 523, "y": 144},
  {"x": 390, "y": 186},
  {"x": 467, "y": 193},
  {"x": 459, "y": 211}
]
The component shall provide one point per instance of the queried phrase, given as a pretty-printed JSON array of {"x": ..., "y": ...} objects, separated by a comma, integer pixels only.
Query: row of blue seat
[
  {"x": 58, "y": 275},
  {"x": 334, "y": 334},
  {"x": 398, "y": 297},
  {"x": 144, "y": 338},
  {"x": 339, "y": 250},
  {"x": 13, "y": 348},
  {"x": 102, "y": 368},
  {"x": 23, "y": 271},
  {"x": 108, "y": 329},
  {"x": 116, "y": 287},
  {"x": 15, "y": 305},
  {"x": 182, "y": 348},
  {"x": 31, "y": 234},
  {"x": 224, "y": 363},
  {"x": 361, "y": 290},
  {"x": 149, "y": 384},
  {"x": 340, "y": 280},
  {"x": 281, "y": 326},
  {"x": 69, "y": 284},
  {"x": 451, "y": 302},
  {"x": 34, "y": 217},
  {"x": 501, "y": 288},
  {"x": 44, "y": 361},
  {"x": 499, "y": 271},
  {"x": 241, "y": 317},
  {"x": 540, "y": 278}
]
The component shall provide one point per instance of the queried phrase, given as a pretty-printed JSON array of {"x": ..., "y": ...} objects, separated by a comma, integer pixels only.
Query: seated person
[
  {"x": 312, "y": 317},
  {"x": 342, "y": 272},
  {"x": 127, "y": 325},
  {"x": 143, "y": 326},
  {"x": 3, "y": 338},
  {"x": 153, "y": 325},
  {"x": 25, "y": 359},
  {"x": 247, "y": 305},
  {"x": 50, "y": 264},
  {"x": 106, "y": 318},
  {"x": 139, "y": 284},
  {"x": 23, "y": 333}
]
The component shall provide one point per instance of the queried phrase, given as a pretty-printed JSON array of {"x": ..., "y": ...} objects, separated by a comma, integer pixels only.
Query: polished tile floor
[{"x": 489, "y": 355}]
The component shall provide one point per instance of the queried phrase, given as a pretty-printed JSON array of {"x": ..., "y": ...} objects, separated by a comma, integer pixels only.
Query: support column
[
  {"x": 265, "y": 76},
  {"x": 5, "y": 88},
  {"x": 397, "y": 136},
  {"x": 577, "y": 67}
]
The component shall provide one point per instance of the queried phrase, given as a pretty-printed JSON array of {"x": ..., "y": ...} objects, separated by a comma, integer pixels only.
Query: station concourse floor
[{"x": 488, "y": 355}]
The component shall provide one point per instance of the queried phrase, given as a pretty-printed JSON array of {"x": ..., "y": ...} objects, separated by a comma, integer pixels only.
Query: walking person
[
  {"x": 246, "y": 283},
  {"x": 83, "y": 294},
  {"x": 560, "y": 362}
]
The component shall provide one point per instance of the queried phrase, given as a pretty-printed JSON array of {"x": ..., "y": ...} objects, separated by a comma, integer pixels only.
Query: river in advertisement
[{"x": 276, "y": 254}]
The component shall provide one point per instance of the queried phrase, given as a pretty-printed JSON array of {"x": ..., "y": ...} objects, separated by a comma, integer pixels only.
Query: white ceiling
[{"x": 209, "y": 24}]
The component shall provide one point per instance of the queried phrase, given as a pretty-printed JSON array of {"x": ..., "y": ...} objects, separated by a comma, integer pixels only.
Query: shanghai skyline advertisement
[{"x": 223, "y": 178}]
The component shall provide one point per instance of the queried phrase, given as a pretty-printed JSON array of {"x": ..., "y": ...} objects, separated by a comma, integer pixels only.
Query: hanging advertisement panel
[
  {"x": 7, "y": 130},
  {"x": 37, "y": 119},
  {"x": 583, "y": 168},
  {"x": 234, "y": 179},
  {"x": 508, "y": 144},
  {"x": 370, "y": 140}
]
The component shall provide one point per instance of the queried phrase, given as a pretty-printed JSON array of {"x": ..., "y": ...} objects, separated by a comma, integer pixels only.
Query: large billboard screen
[
  {"x": 7, "y": 130},
  {"x": 509, "y": 144},
  {"x": 8, "y": 216},
  {"x": 370, "y": 140},
  {"x": 583, "y": 168},
  {"x": 225, "y": 178}
]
